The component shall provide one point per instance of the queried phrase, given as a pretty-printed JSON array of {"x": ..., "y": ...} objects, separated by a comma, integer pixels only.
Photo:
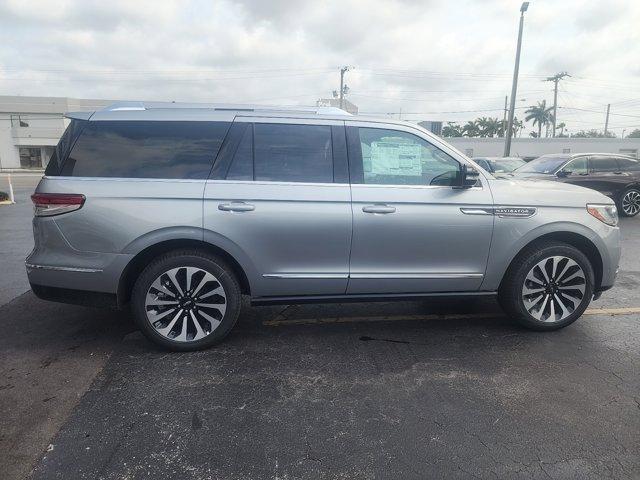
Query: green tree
[
  {"x": 561, "y": 126},
  {"x": 471, "y": 129},
  {"x": 452, "y": 129},
  {"x": 593, "y": 133},
  {"x": 540, "y": 114},
  {"x": 518, "y": 125},
  {"x": 489, "y": 127},
  {"x": 634, "y": 134}
]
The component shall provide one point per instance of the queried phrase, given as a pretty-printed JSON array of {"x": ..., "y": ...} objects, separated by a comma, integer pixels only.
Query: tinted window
[
  {"x": 391, "y": 157},
  {"x": 293, "y": 153},
  {"x": 63, "y": 148},
  {"x": 577, "y": 166},
  {"x": 504, "y": 165},
  {"x": 543, "y": 164},
  {"x": 242, "y": 163},
  {"x": 483, "y": 163},
  {"x": 603, "y": 164},
  {"x": 628, "y": 164},
  {"x": 146, "y": 149}
]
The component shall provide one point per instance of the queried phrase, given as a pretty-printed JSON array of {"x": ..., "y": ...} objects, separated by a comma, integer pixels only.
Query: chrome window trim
[
  {"x": 285, "y": 184},
  {"x": 63, "y": 269},
  {"x": 124, "y": 179},
  {"x": 414, "y": 187}
]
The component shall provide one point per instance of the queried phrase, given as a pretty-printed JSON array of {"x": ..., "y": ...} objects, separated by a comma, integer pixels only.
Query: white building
[
  {"x": 30, "y": 128},
  {"x": 534, "y": 147}
]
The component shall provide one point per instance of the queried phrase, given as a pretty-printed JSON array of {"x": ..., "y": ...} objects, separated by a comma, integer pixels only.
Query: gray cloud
[{"x": 418, "y": 56}]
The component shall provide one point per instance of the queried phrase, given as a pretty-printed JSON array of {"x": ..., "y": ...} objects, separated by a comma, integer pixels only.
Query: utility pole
[
  {"x": 606, "y": 122},
  {"x": 555, "y": 79},
  {"x": 504, "y": 117},
  {"x": 514, "y": 87},
  {"x": 343, "y": 70}
]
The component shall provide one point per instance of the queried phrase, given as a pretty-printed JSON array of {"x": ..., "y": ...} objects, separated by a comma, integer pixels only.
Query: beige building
[{"x": 30, "y": 128}]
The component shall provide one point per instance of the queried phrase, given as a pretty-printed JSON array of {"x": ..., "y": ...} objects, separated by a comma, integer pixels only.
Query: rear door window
[
  {"x": 146, "y": 149},
  {"x": 628, "y": 164},
  {"x": 603, "y": 165},
  {"x": 292, "y": 153}
]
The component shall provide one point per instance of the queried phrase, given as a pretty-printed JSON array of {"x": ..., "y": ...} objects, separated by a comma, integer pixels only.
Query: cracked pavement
[{"x": 85, "y": 396}]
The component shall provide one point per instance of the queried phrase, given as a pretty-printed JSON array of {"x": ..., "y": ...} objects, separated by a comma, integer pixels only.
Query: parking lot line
[{"x": 280, "y": 321}]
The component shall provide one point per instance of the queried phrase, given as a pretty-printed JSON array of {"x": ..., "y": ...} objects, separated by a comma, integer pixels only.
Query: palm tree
[
  {"x": 561, "y": 126},
  {"x": 540, "y": 115},
  {"x": 518, "y": 125},
  {"x": 452, "y": 129},
  {"x": 493, "y": 127},
  {"x": 471, "y": 129},
  {"x": 488, "y": 126}
]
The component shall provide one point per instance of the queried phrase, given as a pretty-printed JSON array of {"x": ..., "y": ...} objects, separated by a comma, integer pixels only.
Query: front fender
[{"x": 511, "y": 236}]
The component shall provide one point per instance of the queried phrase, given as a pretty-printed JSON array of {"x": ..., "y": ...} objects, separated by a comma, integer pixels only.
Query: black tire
[
  {"x": 187, "y": 258},
  {"x": 510, "y": 295},
  {"x": 628, "y": 191}
]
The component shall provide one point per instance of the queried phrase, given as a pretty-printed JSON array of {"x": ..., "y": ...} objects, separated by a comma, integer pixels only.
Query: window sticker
[{"x": 395, "y": 158}]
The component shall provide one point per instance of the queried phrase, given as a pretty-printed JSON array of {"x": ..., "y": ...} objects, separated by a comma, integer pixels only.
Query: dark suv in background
[{"x": 617, "y": 176}]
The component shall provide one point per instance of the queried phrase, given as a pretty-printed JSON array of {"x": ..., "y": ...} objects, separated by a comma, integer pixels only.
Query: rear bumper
[
  {"x": 101, "y": 275},
  {"x": 76, "y": 297},
  {"x": 55, "y": 263}
]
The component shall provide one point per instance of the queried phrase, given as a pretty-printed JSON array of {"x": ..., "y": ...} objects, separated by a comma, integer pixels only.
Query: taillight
[{"x": 48, "y": 204}]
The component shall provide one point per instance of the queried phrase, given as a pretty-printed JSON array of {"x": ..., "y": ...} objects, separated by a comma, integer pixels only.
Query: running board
[{"x": 378, "y": 297}]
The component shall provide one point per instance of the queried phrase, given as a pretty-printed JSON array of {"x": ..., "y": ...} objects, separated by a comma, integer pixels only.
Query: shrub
[{"x": 4, "y": 196}]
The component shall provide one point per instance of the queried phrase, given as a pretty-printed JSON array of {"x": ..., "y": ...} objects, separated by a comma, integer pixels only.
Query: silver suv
[{"x": 180, "y": 209}]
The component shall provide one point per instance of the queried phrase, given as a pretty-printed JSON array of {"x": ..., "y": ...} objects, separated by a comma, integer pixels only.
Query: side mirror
[
  {"x": 469, "y": 177},
  {"x": 563, "y": 173}
]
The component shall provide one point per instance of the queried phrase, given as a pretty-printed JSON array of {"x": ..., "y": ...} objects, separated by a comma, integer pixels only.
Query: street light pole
[{"x": 514, "y": 86}]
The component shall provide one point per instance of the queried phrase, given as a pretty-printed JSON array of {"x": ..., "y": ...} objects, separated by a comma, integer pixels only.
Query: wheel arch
[
  {"x": 141, "y": 259},
  {"x": 577, "y": 240}
]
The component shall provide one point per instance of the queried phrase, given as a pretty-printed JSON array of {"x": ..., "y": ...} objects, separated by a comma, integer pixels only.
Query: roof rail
[{"x": 124, "y": 106}]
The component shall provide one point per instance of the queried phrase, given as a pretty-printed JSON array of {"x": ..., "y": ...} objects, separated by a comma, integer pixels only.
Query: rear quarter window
[
  {"x": 61, "y": 152},
  {"x": 147, "y": 149}
]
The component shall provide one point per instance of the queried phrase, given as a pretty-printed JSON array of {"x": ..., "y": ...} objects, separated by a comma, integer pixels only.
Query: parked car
[
  {"x": 179, "y": 210},
  {"x": 498, "y": 165},
  {"x": 616, "y": 176}
]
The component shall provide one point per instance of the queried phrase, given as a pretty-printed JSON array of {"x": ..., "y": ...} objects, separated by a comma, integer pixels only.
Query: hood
[
  {"x": 542, "y": 192},
  {"x": 541, "y": 176}
]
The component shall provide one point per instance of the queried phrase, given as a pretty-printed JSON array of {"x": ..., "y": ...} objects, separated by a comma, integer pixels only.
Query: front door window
[{"x": 391, "y": 157}]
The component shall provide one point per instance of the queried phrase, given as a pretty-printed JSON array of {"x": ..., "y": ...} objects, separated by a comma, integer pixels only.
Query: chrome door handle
[
  {"x": 236, "y": 207},
  {"x": 378, "y": 209}
]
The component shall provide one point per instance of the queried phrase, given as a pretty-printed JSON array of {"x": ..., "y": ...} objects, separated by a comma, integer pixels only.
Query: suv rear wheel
[
  {"x": 186, "y": 300},
  {"x": 548, "y": 286}
]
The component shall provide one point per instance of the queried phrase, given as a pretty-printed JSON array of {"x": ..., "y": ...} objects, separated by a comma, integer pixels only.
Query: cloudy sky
[{"x": 428, "y": 59}]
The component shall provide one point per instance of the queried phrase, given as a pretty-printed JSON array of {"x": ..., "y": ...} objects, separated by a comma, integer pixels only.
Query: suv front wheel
[
  {"x": 548, "y": 286},
  {"x": 186, "y": 300},
  {"x": 630, "y": 202}
]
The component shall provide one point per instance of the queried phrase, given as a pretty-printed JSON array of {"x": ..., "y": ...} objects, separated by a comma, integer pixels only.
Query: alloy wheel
[
  {"x": 553, "y": 289},
  {"x": 185, "y": 304},
  {"x": 631, "y": 203}
]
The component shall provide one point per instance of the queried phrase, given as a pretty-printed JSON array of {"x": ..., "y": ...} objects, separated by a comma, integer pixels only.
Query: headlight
[{"x": 605, "y": 213}]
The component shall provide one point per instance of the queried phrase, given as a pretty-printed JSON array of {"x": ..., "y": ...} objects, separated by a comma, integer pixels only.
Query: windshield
[
  {"x": 507, "y": 165},
  {"x": 543, "y": 165}
]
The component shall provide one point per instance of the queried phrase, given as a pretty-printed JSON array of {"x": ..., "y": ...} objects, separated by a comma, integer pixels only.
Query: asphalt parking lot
[{"x": 429, "y": 389}]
